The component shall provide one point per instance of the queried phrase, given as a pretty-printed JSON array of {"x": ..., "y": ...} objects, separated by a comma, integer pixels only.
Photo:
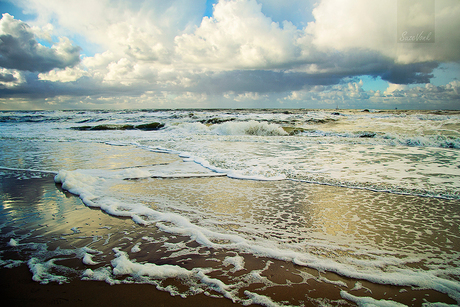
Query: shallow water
[
  {"x": 412, "y": 152},
  {"x": 183, "y": 216},
  {"x": 291, "y": 258}
]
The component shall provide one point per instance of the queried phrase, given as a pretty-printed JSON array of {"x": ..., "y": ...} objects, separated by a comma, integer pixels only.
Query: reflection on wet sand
[
  {"x": 50, "y": 224},
  {"x": 306, "y": 213},
  {"x": 54, "y": 156}
]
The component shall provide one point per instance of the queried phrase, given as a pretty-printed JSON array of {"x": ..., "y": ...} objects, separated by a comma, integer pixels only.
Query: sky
[{"x": 155, "y": 54}]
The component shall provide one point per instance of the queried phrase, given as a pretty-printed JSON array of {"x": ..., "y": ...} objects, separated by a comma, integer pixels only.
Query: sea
[{"x": 273, "y": 207}]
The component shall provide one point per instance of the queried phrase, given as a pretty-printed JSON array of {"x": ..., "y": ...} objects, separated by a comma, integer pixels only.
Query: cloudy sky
[{"x": 94, "y": 54}]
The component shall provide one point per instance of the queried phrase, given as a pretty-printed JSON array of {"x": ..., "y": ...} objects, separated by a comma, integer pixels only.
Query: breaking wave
[{"x": 251, "y": 127}]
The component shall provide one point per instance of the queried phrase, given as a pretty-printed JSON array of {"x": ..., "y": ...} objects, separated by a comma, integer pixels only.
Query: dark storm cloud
[
  {"x": 34, "y": 88},
  {"x": 262, "y": 81},
  {"x": 216, "y": 83},
  {"x": 356, "y": 62},
  {"x": 410, "y": 73},
  {"x": 20, "y": 50},
  {"x": 332, "y": 70}
]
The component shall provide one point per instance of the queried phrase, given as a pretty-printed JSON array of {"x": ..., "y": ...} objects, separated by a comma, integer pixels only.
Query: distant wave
[
  {"x": 248, "y": 128},
  {"x": 251, "y": 127},
  {"x": 379, "y": 138}
]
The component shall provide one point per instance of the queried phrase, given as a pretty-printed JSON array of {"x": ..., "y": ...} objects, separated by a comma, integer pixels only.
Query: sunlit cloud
[{"x": 247, "y": 51}]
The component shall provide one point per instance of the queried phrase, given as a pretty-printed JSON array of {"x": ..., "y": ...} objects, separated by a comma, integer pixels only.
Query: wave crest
[{"x": 248, "y": 128}]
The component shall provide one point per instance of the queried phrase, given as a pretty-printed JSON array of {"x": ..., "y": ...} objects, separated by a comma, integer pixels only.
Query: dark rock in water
[
  {"x": 367, "y": 135},
  {"x": 335, "y": 113},
  {"x": 144, "y": 127},
  {"x": 82, "y": 128},
  {"x": 366, "y": 110},
  {"x": 105, "y": 127},
  {"x": 149, "y": 127}
]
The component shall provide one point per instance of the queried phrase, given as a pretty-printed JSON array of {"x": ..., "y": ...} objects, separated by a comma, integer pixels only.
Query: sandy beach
[
  {"x": 46, "y": 211},
  {"x": 18, "y": 289},
  {"x": 39, "y": 211}
]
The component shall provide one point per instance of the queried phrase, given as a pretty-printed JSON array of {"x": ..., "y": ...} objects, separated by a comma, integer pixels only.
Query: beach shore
[
  {"x": 30, "y": 199},
  {"x": 18, "y": 289},
  {"x": 36, "y": 210}
]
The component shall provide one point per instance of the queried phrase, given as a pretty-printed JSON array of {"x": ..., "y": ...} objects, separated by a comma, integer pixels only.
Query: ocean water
[{"x": 350, "y": 199}]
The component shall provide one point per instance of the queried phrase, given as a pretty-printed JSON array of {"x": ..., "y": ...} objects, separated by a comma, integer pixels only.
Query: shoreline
[
  {"x": 18, "y": 289},
  {"x": 51, "y": 215}
]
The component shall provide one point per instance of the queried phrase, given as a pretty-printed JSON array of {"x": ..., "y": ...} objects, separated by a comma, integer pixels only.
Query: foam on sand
[
  {"x": 382, "y": 270},
  {"x": 369, "y": 301}
]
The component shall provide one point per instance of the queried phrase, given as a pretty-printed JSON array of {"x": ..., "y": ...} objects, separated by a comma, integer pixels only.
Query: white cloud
[
  {"x": 99, "y": 60},
  {"x": 347, "y": 25},
  {"x": 120, "y": 70},
  {"x": 239, "y": 36},
  {"x": 45, "y": 33},
  {"x": 297, "y": 95},
  {"x": 138, "y": 43},
  {"x": 343, "y": 25},
  {"x": 395, "y": 88},
  {"x": 415, "y": 13},
  {"x": 66, "y": 75},
  {"x": 191, "y": 97},
  {"x": 246, "y": 96},
  {"x": 113, "y": 24},
  {"x": 249, "y": 96}
]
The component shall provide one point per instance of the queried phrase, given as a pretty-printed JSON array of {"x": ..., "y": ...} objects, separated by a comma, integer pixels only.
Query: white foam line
[
  {"x": 85, "y": 186},
  {"x": 139, "y": 166},
  {"x": 189, "y": 175},
  {"x": 122, "y": 265},
  {"x": 255, "y": 298},
  {"x": 369, "y": 301},
  {"x": 27, "y": 170},
  {"x": 229, "y": 173},
  {"x": 187, "y": 157}
]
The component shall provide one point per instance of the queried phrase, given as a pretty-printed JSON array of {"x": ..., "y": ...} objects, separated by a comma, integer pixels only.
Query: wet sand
[
  {"x": 47, "y": 213},
  {"x": 37, "y": 210},
  {"x": 18, "y": 289}
]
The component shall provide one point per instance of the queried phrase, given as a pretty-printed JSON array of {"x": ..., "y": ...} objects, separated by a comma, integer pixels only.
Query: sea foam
[
  {"x": 250, "y": 127},
  {"x": 382, "y": 271}
]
